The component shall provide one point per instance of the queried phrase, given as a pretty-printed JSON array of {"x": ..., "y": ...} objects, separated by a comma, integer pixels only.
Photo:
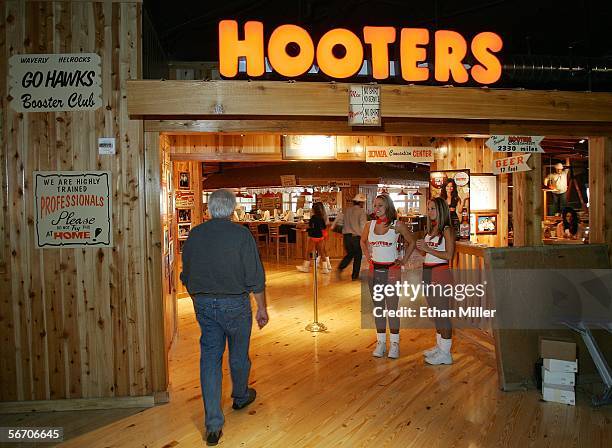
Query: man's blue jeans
[{"x": 222, "y": 318}]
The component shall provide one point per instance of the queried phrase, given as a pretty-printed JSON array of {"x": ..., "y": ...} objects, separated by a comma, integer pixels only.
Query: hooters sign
[{"x": 291, "y": 52}]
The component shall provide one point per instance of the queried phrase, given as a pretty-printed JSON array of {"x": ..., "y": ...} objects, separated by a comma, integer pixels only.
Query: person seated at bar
[{"x": 570, "y": 227}]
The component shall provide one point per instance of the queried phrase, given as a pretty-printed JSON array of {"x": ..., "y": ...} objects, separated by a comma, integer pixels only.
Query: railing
[{"x": 468, "y": 268}]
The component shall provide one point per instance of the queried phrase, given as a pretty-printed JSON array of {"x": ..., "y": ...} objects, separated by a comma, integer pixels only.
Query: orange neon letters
[
  {"x": 345, "y": 66},
  {"x": 482, "y": 46},
  {"x": 411, "y": 54},
  {"x": 450, "y": 51},
  {"x": 283, "y": 63},
  {"x": 451, "y": 48},
  {"x": 379, "y": 37},
  {"x": 230, "y": 48}
]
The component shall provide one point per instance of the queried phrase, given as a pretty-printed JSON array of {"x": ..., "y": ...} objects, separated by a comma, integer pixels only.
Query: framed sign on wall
[{"x": 484, "y": 193}]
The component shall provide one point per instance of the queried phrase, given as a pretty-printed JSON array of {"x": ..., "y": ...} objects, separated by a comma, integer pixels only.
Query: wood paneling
[
  {"x": 527, "y": 204},
  {"x": 269, "y": 98},
  {"x": 77, "y": 323},
  {"x": 600, "y": 188}
]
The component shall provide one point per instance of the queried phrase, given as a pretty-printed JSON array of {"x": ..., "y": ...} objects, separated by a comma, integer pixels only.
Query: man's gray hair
[{"x": 221, "y": 203}]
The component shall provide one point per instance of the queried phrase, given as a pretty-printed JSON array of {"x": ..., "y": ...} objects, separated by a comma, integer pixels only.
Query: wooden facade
[{"x": 78, "y": 323}]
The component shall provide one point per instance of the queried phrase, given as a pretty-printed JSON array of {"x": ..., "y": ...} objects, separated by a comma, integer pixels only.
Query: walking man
[
  {"x": 221, "y": 267},
  {"x": 354, "y": 220}
]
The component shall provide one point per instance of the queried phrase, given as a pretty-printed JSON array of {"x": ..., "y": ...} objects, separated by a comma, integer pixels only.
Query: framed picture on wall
[
  {"x": 184, "y": 215},
  {"x": 184, "y": 181},
  {"x": 486, "y": 224},
  {"x": 181, "y": 243},
  {"x": 183, "y": 231}
]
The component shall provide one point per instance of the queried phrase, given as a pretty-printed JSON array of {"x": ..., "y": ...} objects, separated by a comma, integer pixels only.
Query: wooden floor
[{"x": 326, "y": 390}]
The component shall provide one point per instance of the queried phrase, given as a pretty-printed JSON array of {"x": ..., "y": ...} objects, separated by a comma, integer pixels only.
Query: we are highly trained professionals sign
[{"x": 73, "y": 209}]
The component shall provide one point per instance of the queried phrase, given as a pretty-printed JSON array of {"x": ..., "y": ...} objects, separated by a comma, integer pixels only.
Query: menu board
[
  {"x": 326, "y": 197},
  {"x": 269, "y": 203}
]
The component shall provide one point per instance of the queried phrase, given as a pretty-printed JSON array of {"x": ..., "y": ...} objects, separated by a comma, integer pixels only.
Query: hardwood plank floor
[{"x": 326, "y": 390}]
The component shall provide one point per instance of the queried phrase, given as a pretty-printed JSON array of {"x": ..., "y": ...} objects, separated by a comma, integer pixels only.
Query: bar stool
[
  {"x": 275, "y": 235},
  {"x": 254, "y": 229}
]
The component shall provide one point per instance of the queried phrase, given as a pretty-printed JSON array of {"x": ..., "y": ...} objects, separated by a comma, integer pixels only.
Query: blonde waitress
[
  {"x": 379, "y": 243},
  {"x": 438, "y": 248}
]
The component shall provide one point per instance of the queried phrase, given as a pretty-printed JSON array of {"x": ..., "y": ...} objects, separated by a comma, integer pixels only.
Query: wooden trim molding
[
  {"x": 150, "y": 98},
  {"x": 76, "y": 404}
]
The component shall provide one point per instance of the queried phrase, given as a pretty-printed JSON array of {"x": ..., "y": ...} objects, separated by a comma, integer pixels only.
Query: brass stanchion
[{"x": 315, "y": 326}]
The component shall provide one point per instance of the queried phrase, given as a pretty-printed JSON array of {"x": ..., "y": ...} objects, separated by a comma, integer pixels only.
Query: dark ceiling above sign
[{"x": 547, "y": 44}]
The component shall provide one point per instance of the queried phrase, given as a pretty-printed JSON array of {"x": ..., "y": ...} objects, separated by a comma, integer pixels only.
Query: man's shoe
[
  {"x": 212, "y": 438},
  {"x": 251, "y": 393}
]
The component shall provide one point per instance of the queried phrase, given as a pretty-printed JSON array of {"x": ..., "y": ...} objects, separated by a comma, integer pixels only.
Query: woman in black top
[
  {"x": 451, "y": 195},
  {"x": 317, "y": 234}
]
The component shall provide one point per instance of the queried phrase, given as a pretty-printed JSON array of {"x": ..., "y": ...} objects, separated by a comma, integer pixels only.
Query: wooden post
[
  {"x": 527, "y": 211},
  {"x": 600, "y": 191}
]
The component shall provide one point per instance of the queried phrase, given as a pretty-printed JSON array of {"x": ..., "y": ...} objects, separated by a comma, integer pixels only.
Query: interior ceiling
[{"x": 188, "y": 30}]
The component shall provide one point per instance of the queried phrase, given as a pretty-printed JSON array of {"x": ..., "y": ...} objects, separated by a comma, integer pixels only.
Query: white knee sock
[
  {"x": 394, "y": 337},
  {"x": 438, "y": 337},
  {"x": 381, "y": 337},
  {"x": 445, "y": 345}
]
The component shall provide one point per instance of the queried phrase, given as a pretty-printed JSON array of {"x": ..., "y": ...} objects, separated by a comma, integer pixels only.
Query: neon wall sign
[{"x": 412, "y": 45}]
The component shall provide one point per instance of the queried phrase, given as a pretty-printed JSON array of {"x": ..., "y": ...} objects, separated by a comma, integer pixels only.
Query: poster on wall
[
  {"x": 55, "y": 82},
  {"x": 73, "y": 209},
  {"x": 484, "y": 193},
  {"x": 454, "y": 187},
  {"x": 185, "y": 199}
]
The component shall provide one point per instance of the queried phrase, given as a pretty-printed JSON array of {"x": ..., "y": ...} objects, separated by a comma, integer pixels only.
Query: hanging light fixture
[
  {"x": 417, "y": 193},
  {"x": 305, "y": 193},
  {"x": 240, "y": 194},
  {"x": 268, "y": 194},
  {"x": 403, "y": 193}
]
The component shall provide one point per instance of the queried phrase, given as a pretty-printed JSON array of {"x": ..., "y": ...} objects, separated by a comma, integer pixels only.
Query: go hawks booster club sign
[{"x": 55, "y": 82}]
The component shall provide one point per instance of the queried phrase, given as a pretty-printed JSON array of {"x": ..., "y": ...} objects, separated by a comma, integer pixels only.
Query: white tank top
[
  {"x": 383, "y": 247},
  {"x": 438, "y": 244}
]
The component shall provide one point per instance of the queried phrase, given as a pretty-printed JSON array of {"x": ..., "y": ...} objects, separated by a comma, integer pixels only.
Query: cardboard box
[
  {"x": 558, "y": 378},
  {"x": 559, "y": 365},
  {"x": 557, "y": 349},
  {"x": 559, "y": 394}
]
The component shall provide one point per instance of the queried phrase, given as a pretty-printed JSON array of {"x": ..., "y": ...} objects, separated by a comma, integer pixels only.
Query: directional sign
[
  {"x": 515, "y": 164},
  {"x": 515, "y": 143}
]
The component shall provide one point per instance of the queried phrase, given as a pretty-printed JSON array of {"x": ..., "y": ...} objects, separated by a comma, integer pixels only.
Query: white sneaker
[
  {"x": 380, "y": 350},
  {"x": 439, "y": 358},
  {"x": 394, "y": 350},
  {"x": 431, "y": 351},
  {"x": 305, "y": 267},
  {"x": 325, "y": 269}
]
